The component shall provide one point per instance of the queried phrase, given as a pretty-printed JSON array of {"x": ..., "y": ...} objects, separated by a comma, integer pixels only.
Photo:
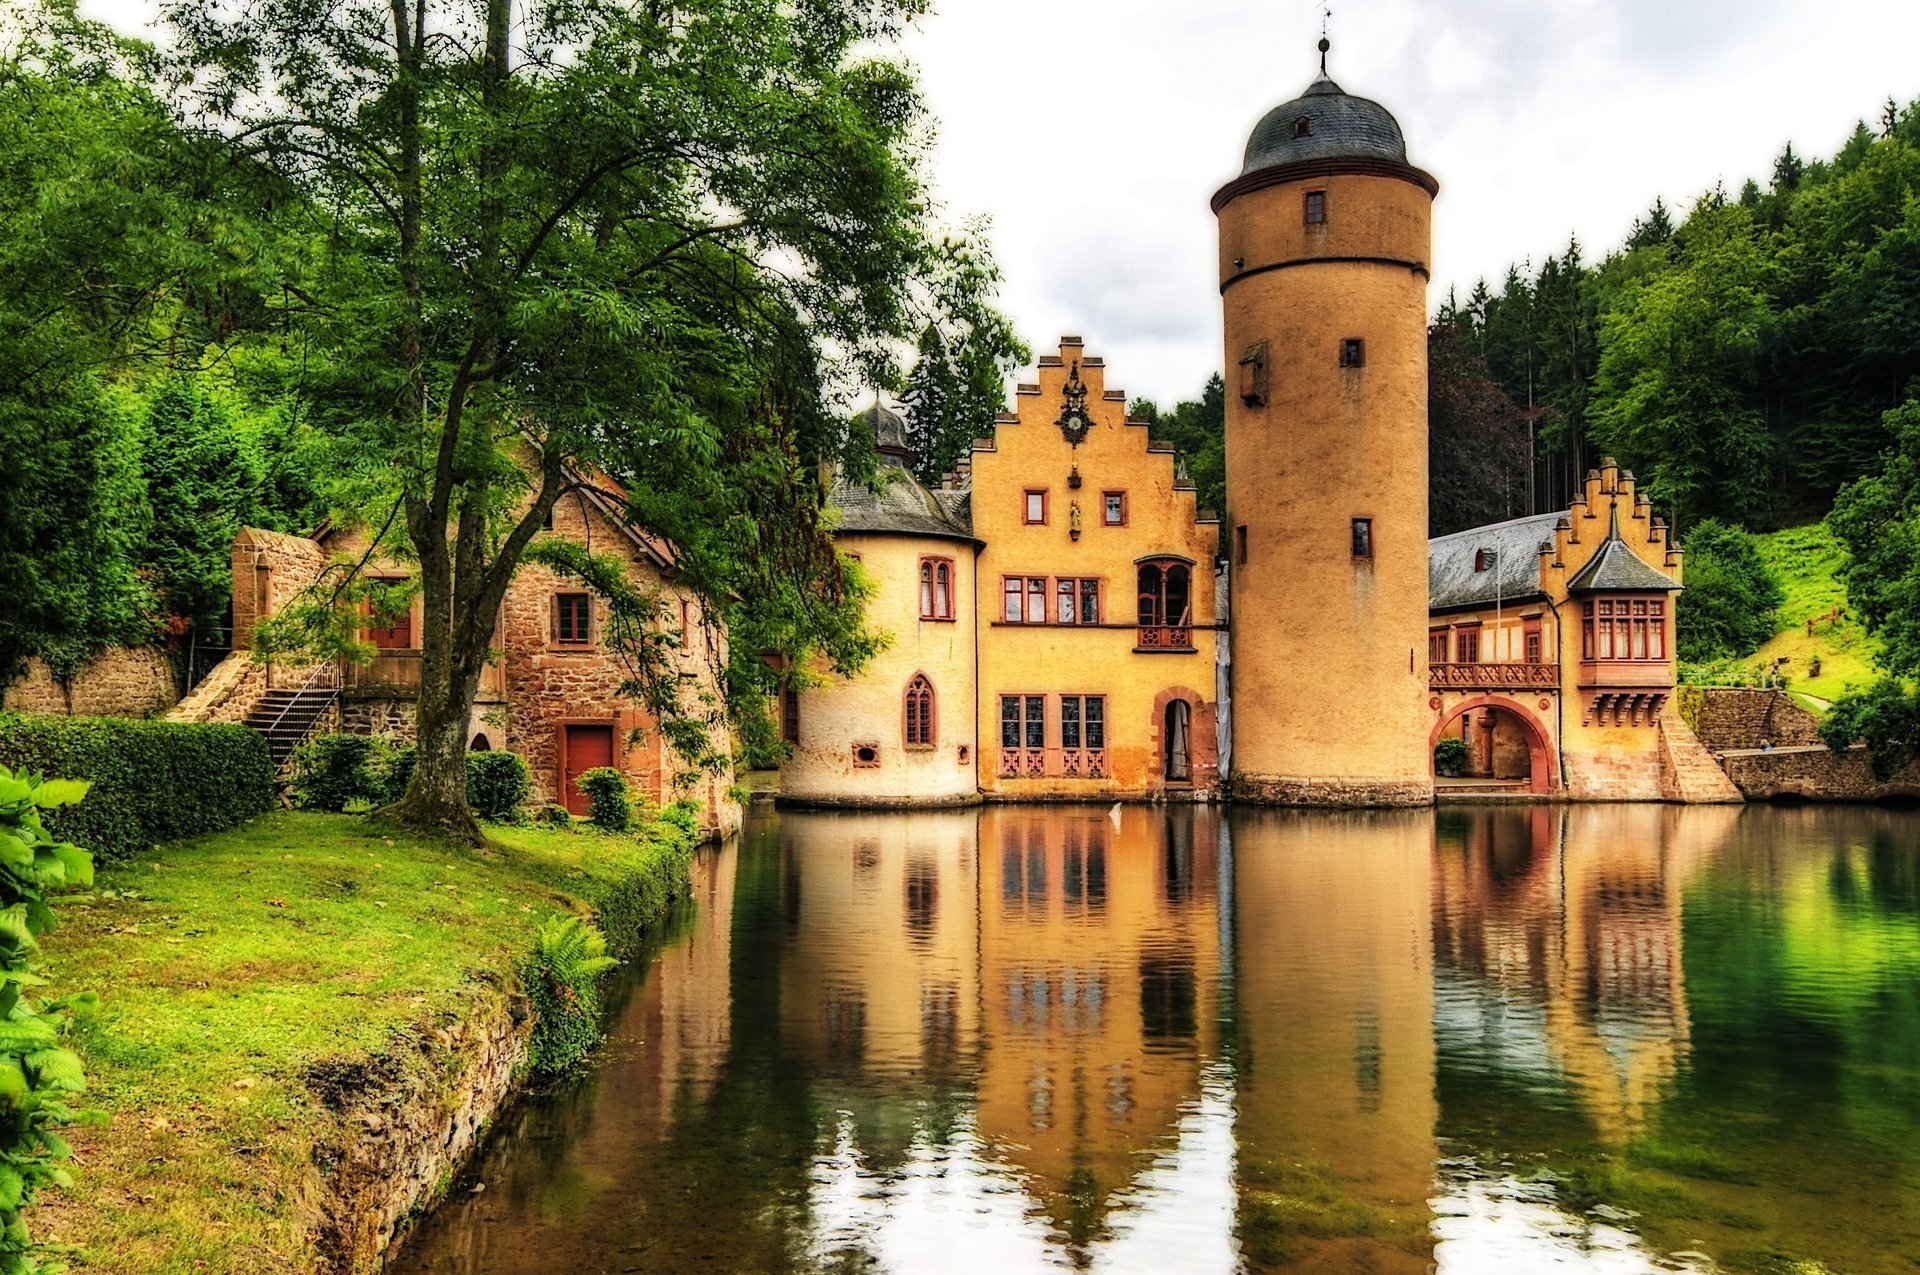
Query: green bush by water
[
  {"x": 336, "y": 773},
  {"x": 1450, "y": 757},
  {"x": 562, "y": 979},
  {"x": 149, "y": 781}
]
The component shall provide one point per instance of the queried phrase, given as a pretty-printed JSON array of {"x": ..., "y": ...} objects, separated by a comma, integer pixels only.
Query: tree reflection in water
[{"x": 1610, "y": 1038}]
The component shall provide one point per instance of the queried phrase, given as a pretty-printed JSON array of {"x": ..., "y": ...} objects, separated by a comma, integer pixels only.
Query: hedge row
[{"x": 152, "y": 781}]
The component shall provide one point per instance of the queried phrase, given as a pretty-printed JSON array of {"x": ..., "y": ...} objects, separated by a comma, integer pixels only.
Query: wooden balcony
[
  {"x": 1176, "y": 638},
  {"x": 1596, "y": 675},
  {"x": 1474, "y": 677}
]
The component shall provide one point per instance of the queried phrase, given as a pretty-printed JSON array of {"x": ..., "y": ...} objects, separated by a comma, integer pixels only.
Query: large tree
[{"x": 552, "y": 239}]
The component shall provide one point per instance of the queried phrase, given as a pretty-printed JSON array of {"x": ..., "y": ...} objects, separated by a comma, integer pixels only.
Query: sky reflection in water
[{"x": 1606, "y": 1039}]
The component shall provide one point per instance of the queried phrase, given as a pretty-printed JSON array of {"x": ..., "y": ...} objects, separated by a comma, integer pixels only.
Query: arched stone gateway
[{"x": 1495, "y": 710}]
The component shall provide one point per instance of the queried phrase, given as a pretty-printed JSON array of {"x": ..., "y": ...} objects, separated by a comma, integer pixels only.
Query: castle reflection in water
[{"x": 1177, "y": 1040}]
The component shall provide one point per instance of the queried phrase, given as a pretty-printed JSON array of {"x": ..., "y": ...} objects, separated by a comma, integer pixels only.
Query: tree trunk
[{"x": 436, "y": 797}]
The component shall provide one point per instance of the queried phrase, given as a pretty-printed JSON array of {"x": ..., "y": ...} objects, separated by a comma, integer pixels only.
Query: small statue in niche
[{"x": 1073, "y": 521}]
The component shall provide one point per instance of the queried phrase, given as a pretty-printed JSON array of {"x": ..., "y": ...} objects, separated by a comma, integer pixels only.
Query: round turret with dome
[
  {"x": 1324, "y": 239},
  {"x": 1325, "y": 122}
]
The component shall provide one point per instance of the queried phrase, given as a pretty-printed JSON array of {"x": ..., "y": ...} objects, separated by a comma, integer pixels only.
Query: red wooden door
[{"x": 585, "y": 748}]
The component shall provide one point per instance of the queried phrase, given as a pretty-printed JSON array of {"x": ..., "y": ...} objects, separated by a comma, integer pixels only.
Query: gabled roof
[{"x": 1452, "y": 582}]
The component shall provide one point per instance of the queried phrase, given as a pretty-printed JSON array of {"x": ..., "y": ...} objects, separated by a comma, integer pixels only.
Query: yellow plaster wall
[
  {"x": 1329, "y": 651},
  {"x": 869, "y": 708},
  {"x": 1029, "y": 450}
]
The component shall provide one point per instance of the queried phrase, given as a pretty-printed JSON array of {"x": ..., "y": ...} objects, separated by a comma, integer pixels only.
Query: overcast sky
[{"x": 1094, "y": 133}]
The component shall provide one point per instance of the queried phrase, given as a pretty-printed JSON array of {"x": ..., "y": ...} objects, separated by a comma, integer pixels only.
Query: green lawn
[
  {"x": 1808, "y": 561},
  {"x": 228, "y": 966}
]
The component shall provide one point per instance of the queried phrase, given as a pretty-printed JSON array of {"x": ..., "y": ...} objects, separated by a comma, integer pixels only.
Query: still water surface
[{"x": 1605, "y": 1038}]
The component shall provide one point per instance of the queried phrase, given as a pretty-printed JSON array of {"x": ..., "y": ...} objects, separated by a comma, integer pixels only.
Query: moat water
[{"x": 1478, "y": 1040}]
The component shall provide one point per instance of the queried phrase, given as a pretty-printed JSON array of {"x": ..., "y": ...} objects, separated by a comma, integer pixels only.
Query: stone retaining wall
[
  {"x": 1817, "y": 774},
  {"x": 1732, "y": 717},
  {"x": 122, "y": 681}
]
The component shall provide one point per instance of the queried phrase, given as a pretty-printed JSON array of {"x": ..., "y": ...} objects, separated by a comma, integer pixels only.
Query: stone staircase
[
  {"x": 1688, "y": 771},
  {"x": 288, "y": 716}
]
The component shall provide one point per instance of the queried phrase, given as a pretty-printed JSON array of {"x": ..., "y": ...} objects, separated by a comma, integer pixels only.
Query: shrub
[
  {"x": 1732, "y": 595},
  {"x": 332, "y": 772},
  {"x": 562, "y": 979},
  {"x": 36, "y": 1075},
  {"x": 148, "y": 781},
  {"x": 496, "y": 785},
  {"x": 553, "y": 816},
  {"x": 1450, "y": 757},
  {"x": 684, "y": 815},
  {"x": 608, "y": 806},
  {"x": 400, "y": 763}
]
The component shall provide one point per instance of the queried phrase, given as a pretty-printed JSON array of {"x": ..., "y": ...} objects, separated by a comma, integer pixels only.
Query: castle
[
  {"x": 1057, "y": 627},
  {"x": 1056, "y": 611}
]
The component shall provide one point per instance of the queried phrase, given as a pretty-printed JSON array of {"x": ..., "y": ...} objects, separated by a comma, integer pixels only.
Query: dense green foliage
[
  {"x": 497, "y": 782},
  {"x": 1197, "y": 430},
  {"x": 333, "y": 772},
  {"x": 38, "y": 1077},
  {"x": 1732, "y": 597},
  {"x": 608, "y": 805},
  {"x": 562, "y": 979},
  {"x": 958, "y": 380},
  {"x": 1450, "y": 757},
  {"x": 547, "y": 242},
  {"x": 1738, "y": 361},
  {"x": 149, "y": 781},
  {"x": 1476, "y": 440},
  {"x": 1877, "y": 518}
]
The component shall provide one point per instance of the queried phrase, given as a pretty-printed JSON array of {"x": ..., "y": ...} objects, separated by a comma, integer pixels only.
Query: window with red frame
[
  {"x": 1024, "y": 599},
  {"x": 1076, "y": 600},
  {"x": 1623, "y": 629},
  {"x": 1436, "y": 646},
  {"x": 1466, "y": 644},
  {"x": 572, "y": 619},
  {"x": 1113, "y": 508},
  {"x": 936, "y": 588},
  {"x": 919, "y": 712},
  {"x": 1035, "y": 510},
  {"x": 1531, "y": 638}
]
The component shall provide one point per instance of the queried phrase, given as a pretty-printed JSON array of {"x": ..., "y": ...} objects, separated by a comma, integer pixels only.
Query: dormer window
[
  {"x": 1303, "y": 127},
  {"x": 1483, "y": 559}
]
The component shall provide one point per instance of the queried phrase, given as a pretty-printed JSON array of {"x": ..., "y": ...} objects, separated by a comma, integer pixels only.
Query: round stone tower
[{"x": 1324, "y": 240}]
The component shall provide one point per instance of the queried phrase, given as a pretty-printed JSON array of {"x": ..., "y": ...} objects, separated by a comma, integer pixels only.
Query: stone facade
[
  {"x": 545, "y": 686},
  {"x": 122, "y": 681},
  {"x": 1734, "y": 717}
]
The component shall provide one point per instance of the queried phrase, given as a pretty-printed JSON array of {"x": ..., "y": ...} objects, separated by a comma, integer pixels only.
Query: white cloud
[{"x": 1095, "y": 134}]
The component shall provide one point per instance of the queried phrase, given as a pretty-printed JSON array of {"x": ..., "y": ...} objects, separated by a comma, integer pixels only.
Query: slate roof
[
  {"x": 1453, "y": 584},
  {"x": 1618, "y": 568},
  {"x": 902, "y": 507},
  {"x": 1340, "y": 125}
]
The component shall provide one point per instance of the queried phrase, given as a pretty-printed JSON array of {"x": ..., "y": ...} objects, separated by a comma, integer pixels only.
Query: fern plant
[
  {"x": 562, "y": 979},
  {"x": 38, "y": 1078}
]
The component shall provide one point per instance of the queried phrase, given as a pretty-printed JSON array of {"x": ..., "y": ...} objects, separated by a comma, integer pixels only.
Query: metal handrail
[{"x": 320, "y": 670}]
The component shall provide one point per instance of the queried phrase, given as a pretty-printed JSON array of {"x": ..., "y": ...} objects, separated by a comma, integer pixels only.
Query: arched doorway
[
  {"x": 1176, "y": 740},
  {"x": 1504, "y": 741}
]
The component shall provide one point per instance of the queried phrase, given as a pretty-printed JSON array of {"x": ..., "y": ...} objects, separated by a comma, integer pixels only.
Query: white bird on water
[{"x": 1114, "y": 814}]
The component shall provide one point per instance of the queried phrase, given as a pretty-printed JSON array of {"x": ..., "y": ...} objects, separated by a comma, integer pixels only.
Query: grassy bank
[
  {"x": 1808, "y": 560},
  {"x": 243, "y": 971}
]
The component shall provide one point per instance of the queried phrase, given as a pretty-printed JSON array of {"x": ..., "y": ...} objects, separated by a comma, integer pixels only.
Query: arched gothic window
[{"x": 919, "y": 712}]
